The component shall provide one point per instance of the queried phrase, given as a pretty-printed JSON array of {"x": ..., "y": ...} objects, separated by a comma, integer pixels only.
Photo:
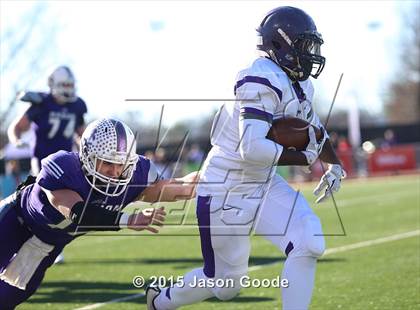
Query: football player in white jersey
[{"x": 240, "y": 193}]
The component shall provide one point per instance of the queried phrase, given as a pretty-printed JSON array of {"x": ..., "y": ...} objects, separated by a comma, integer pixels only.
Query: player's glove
[
  {"x": 330, "y": 181},
  {"x": 314, "y": 147}
]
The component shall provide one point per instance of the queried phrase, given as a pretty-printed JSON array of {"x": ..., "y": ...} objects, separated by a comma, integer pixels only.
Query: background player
[
  {"x": 238, "y": 189},
  {"x": 55, "y": 117},
  {"x": 75, "y": 193}
]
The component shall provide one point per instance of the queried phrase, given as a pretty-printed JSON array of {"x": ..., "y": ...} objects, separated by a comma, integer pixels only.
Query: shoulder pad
[
  {"x": 263, "y": 74},
  {"x": 32, "y": 97}
]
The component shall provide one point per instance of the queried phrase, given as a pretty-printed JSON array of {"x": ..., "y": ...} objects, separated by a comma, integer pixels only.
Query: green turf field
[{"x": 380, "y": 275}]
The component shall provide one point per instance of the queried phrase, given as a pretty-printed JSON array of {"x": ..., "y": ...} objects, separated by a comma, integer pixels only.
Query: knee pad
[
  {"x": 230, "y": 288},
  {"x": 313, "y": 238}
]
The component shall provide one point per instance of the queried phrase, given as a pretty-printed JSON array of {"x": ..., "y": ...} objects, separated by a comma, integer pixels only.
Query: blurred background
[{"x": 165, "y": 68}]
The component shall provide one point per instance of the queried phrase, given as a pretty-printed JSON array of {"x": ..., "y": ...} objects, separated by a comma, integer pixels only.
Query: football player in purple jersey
[
  {"x": 55, "y": 117},
  {"x": 75, "y": 193}
]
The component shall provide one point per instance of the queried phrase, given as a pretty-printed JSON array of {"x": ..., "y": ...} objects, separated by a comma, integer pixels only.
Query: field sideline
[{"x": 373, "y": 265}]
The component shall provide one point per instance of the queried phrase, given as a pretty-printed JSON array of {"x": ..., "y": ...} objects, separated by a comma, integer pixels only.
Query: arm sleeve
[{"x": 257, "y": 105}]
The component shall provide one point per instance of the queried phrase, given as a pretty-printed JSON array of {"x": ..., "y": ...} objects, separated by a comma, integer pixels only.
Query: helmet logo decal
[{"x": 284, "y": 36}]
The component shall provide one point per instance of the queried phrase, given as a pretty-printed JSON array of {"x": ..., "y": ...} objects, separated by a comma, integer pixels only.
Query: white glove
[
  {"x": 314, "y": 147},
  {"x": 330, "y": 181}
]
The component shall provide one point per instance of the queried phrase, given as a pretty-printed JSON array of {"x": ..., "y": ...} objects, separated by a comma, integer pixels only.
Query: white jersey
[{"x": 240, "y": 152}]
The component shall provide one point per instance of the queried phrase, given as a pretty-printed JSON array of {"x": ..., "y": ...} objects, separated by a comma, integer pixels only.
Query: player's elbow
[
  {"x": 18, "y": 127},
  {"x": 243, "y": 152},
  {"x": 260, "y": 152},
  {"x": 13, "y": 132},
  {"x": 247, "y": 153}
]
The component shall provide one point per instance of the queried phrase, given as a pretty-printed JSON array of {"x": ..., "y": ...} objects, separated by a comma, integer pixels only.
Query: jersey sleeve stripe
[
  {"x": 259, "y": 80},
  {"x": 252, "y": 113},
  {"x": 53, "y": 170},
  {"x": 56, "y": 166}
]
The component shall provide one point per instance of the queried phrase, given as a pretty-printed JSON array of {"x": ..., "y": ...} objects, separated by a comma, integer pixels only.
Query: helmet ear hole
[{"x": 276, "y": 45}]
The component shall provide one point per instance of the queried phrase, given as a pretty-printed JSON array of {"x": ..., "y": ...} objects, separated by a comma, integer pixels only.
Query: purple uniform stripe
[
  {"x": 259, "y": 80},
  {"x": 203, "y": 216},
  {"x": 289, "y": 248},
  {"x": 168, "y": 294},
  {"x": 121, "y": 136},
  {"x": 299, "y": 91},
  {"x": 253, "y": 111}
]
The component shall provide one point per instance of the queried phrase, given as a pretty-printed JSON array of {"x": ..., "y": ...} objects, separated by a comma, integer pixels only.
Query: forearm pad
[
  {"x": 292, "y": 158},
  {"x": 92, "y": 217}
]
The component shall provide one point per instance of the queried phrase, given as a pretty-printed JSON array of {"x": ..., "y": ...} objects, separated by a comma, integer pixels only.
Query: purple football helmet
[{"x": 290, "y": 38}]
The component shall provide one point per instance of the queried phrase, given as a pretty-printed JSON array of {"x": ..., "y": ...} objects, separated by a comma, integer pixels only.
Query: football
[{"x": 292, "y": 133}]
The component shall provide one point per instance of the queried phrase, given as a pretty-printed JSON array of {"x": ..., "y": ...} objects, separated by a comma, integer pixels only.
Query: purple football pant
[{"x": 13, "y": 234}]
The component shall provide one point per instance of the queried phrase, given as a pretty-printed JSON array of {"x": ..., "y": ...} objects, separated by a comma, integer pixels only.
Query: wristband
[
  {"x": 94, "y": 217},
  {"x": 123, "y": 223},
  {"x": 310, "y": 157}
]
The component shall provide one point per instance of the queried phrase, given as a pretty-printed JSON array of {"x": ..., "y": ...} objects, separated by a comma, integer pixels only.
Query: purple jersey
[
  {"x": 63, "y": 170},
  {"x": 55, "y": 124}
]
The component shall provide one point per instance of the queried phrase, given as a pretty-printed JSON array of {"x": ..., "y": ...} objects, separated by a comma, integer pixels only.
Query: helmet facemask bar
[
  {"x": 110, "y": 186},
  {"x": 65, "y": 91},
  {"x": 308, "y": 54}
]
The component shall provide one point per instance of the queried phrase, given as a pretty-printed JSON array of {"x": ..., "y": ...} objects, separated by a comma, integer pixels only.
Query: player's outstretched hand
[
  {"x": 330, "y": 181},
  {"x": 146, "y": 218}
]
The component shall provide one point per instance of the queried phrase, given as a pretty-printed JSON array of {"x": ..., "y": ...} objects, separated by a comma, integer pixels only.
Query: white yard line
[
  {"x": 357, "y": 245},
  {"x": 340, "y": 249},
  {"x": 95, "y": 306}
]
